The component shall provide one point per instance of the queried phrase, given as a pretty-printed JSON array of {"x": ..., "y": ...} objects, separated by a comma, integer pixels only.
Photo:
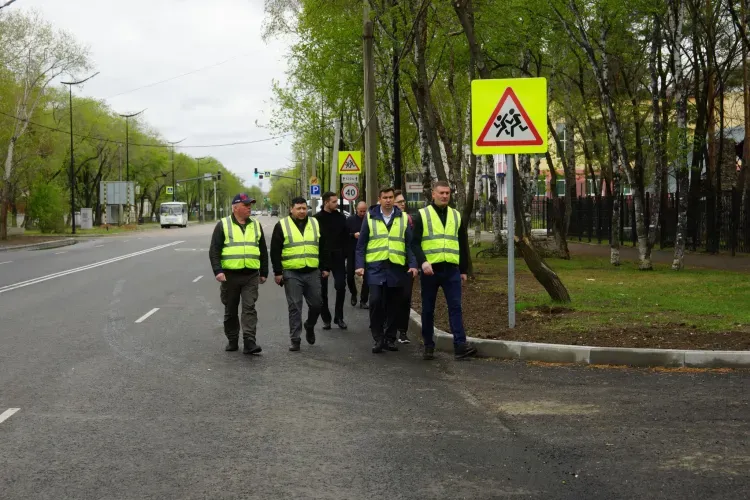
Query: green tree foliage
[{"x": 47, "y": 207}]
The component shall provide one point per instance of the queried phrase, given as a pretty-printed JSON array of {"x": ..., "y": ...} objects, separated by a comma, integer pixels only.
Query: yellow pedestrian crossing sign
[
  {"x": 349, "y": 162},
  {"x": 509, "y": 116},
  {"x": 170, "y": 190}
]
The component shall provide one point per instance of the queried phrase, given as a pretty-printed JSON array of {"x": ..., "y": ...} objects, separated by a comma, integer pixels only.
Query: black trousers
[
  {"x": 385, "y": 305},
  {"x": 353, "y": 284},
  {"x": 240, "y": 288},
  {"x": 338, "y": 270},
  {"x": 405, "y": 308}
]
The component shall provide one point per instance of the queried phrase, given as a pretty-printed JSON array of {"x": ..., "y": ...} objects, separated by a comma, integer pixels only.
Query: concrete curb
[
  {"x": 41, "y": 246},
  {"x": 560, "y": 353}
]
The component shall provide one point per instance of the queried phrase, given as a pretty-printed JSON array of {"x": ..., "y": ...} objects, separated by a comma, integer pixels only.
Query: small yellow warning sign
[{"x": 349, "y": 162}]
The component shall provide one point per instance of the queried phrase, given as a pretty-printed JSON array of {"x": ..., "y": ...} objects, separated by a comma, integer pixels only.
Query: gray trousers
[
  {"x": 297, "y": 286},
  {"x": 240, "y": 288}
]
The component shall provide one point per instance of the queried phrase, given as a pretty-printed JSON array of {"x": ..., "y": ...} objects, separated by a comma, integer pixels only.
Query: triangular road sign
[
  {"x": 509, "y": 125},
  {"x": 349, "y": 166}
]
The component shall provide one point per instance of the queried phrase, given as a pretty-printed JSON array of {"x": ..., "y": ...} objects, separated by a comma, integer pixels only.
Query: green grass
[
  {"x": 95, "y": 230},
  {"x": 703, "y": 299}
]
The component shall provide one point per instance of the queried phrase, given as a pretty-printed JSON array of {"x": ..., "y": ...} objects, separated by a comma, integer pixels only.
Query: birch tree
[{"x": 36, "y": 54}]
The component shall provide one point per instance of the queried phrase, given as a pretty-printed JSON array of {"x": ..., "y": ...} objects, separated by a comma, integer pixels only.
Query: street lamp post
[
  {"x": 174, "y": 188},
  {"x": 201, "y": 214},
  {"x": 72, "y": 157},
  {"x": 127, "y": 152}
]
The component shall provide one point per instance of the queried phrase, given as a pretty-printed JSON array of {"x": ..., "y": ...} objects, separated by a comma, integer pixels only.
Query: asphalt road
[{"x": 109, "y": 407}]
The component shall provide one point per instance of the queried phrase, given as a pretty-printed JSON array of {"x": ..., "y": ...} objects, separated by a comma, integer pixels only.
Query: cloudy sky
[{"x": 138, "y": 42}]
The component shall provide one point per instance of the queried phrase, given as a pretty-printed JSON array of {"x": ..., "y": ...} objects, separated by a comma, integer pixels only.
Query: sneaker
[
  {"x": 326, "y": 326},
  {"x": 295, "y": 346},
  {"x": 310, "y": 334},
  {"x": 341, "y": 324},
  {"x": 354, "y": 299},
  {"x": 391, "y": 346},
  {"x": 232, "y": 345},
  {"x": 403, "y": 338},
  {"x": 429, "y": 353},
  {"x": 363, "y": 305},
  {"x": 462, "y": 351}
]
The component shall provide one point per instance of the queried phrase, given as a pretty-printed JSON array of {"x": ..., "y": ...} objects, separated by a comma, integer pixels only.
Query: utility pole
[
  {"x": 127, "y": 155},
  {"x": 335, "y": 156},
  {"x": 303, "y": 185},
  {"x": 72, "y": 157},
  {"x": 371, "y": 155},
  {"x": 201, "y": 213},
  {"x": 174, "y": 186}
]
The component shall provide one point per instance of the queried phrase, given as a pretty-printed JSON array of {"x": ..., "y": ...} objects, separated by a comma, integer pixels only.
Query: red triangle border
[{"x": 531, "y": 142}]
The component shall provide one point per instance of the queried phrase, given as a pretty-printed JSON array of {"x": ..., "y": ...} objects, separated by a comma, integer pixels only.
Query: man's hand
[
  {"x": 278, "y": 279},
  {"x": 262, "y": 280},
  {"x": 413, "y": 271},
  {"x": 360, "y": 271},
  {"x": 463, "y": 277},
  {"x": 356, "y": 235},
  {"x": 427, "y": 269},
  {"x": 324, "y": 274},
  {"x": 221, "y": 277}
]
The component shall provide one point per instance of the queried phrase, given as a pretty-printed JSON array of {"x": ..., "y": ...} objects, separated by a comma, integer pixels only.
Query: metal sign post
[{"x": 510, "y": 161}]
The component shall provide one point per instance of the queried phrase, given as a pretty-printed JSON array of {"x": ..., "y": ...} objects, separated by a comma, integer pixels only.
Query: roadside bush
[{"x": 47, "y": 208}]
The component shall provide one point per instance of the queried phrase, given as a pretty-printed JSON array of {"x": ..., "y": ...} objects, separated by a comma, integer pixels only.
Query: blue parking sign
[{"x": 315, "y": 190}]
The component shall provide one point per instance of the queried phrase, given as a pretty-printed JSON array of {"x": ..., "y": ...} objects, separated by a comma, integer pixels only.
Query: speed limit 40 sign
[{"x": 350, "y": 192}]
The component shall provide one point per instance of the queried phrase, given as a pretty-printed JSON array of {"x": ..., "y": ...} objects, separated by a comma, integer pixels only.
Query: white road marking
[
  {"x": 15, "y": 286},
  {"x": 196, "y": 280},
  {"x": 60, "y": 253},
  {"x": 6, "y": 262},
  {"x": 98, "y": 246},
  {"x": 7, "y": 414},
  {"x": 145, "y": 316}
]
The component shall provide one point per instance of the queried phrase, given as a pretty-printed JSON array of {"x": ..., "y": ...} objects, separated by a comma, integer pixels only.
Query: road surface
[{"x": 114, "y": 384}]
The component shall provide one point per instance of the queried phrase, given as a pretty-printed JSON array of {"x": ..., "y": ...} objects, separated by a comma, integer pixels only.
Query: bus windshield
[{"x": 166, "y": 209}]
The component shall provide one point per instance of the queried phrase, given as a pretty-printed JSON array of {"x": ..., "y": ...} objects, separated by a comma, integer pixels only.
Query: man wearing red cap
[{"x": 239, "y": 259}]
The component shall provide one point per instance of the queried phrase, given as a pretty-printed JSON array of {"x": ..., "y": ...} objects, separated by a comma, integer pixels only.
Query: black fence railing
[{"x": 591, "y": 220}]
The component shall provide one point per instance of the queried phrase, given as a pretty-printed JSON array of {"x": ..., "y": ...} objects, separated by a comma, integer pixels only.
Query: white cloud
[{"x": 139, "y": 42}]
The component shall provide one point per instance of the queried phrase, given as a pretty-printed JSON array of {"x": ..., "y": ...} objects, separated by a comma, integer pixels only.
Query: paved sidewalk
[{"x": 628, "y": 253}]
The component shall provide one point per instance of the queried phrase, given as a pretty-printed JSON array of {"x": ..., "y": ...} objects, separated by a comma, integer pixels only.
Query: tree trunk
[
  {"x": 655, "y": 218},
  {"x": 676, "y": 19},
  {"x": 559, "y": 227},
  {"x": 5, "y": 197}
]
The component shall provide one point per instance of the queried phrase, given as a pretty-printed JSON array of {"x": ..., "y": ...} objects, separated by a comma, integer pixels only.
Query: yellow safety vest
[
  {"x": 385, "y": 245},
  {"x": 300, "y": 251},
  {"x": 440, "y": 244},
  {"x": 241, "y": 250}
]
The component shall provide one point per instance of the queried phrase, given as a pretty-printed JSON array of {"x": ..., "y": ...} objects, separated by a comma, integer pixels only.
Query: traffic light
[
  {"x": 218, "y": 175},
  {"x": 256, "y": 172}
]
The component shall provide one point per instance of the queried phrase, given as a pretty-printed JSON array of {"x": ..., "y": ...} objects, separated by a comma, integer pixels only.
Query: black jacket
[
  {"x": 353, "y": 225},
  {"x": 217, "y": 245},
  {"x": 333, "y": 229},
  {"x": 463, "y": 242},
  {"x": 277, "y": 245}
]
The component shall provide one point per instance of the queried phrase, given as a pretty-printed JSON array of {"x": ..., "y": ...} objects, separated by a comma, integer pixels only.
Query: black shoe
[
  {"x": 354, "y": 299},
  {"x": 391, "y": 346},
  {"x": 341, "y": 324},
  {"x": 232, "y": 345},
  {"x": 462, "y": 351},
  {"x": 363, "y": 305},
  {"x": 251, "y": 348},
  {"x": 309, "y": 335},
  {"x": 429, "y": 353},
  {"x": 326, "y": 326},
  {"x": 377, "y": 347},
  {"x": 403, "y": 338},
  {"x": 295, "y": 346}
]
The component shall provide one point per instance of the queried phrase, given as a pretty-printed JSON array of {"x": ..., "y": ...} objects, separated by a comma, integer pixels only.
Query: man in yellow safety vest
[
  {"x": 239, "y": 259},
  {"x": 299, "y": 263},
  {"x": 384, "y": 252},
  {"x": 441, "y": 246}
]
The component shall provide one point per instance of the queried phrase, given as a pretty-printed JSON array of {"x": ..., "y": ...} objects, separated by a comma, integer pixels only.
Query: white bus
[{"x": 173, "y": 213}]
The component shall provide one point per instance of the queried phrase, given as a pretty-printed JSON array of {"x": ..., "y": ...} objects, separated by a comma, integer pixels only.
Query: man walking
[
  {"x": 333, "y": 230},
  {"x": 298, "y": 264},
  {"x": 353, "y": 226},
  {"x": 239, "y": 259},
  {"x": 441, "y": 247},
  {"x": 384, "y": 247}
]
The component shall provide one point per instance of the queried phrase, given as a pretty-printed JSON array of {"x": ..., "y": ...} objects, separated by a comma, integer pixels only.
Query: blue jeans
[{"x": 449, "y": 280}]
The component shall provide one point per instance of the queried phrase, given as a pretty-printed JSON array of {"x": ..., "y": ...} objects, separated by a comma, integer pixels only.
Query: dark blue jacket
[{"x": 383, "y": 272}]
